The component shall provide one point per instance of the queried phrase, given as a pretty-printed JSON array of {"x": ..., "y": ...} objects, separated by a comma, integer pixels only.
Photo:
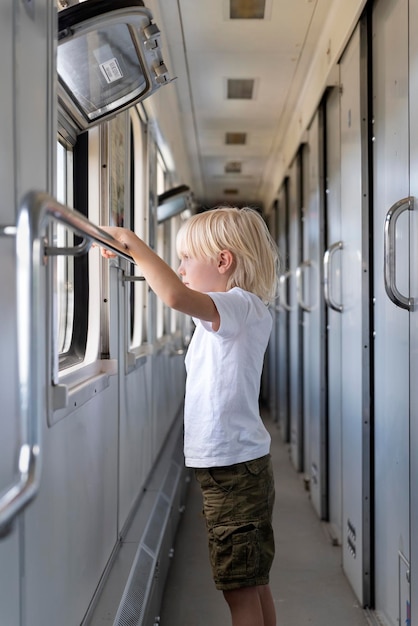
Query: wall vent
[
  {"x": 133, "y": 603},
  {"x": 230, "y": 192},
  {"x": 171, "y": 479},
  {"x": 351, "y": 538},
  {"x": 157, "y": 524},
  {"x": 150, "y": 566}
]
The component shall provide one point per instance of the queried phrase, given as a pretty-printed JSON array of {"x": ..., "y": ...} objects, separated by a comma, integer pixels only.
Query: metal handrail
[{"x": 35, "y": 211}]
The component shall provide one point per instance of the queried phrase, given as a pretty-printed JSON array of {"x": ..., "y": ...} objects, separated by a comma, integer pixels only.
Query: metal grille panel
[
  {"x": 133, "y": 602},
  {"x": 157, "y": 524}
]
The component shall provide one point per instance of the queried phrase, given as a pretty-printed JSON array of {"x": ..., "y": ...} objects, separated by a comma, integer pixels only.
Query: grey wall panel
[
  {"x": 135, "y": 437},
  {"x": 333, "y": 235},
  {"x": 391, "y": 391},
  {"x": 71, "y": 528},
  {"x": 8, "y": 364},
  {"x": 167, "y": 390},
  {"x": 10, "y": 432},
  {"x": 10, "y": 579},
  {"x": 7, "y": 146}
]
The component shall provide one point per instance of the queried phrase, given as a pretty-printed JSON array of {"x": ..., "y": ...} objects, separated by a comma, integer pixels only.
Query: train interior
[{"x": 140, "y": 113}]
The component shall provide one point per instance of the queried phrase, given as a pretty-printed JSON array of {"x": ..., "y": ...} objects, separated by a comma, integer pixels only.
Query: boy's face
[{"x": 202, "y": 274}]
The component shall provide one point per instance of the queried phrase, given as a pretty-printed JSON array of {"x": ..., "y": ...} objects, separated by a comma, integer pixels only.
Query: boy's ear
[{"x": 225, "y": 261}]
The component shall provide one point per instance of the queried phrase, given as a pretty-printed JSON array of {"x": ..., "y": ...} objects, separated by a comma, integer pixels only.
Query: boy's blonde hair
[{"x": 244, "y": 233}]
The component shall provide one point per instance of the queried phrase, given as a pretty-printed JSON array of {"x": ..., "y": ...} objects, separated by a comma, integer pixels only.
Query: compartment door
[
  {"x": 282, "y": 317},
  {"x": 332, "y": 263},
  {"x": 355, "y": 346},
  {"x": 314, "y": 320},
  {"x": 413, "y": 351},
  {"x": 295, "y": 316},
  {"x": 391, "y": 319}
]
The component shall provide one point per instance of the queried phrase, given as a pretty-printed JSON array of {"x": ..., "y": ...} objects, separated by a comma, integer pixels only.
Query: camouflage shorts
[{"x": 238, "y": 505}]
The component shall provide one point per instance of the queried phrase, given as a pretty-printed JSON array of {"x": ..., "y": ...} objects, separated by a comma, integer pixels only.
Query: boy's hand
[{"x": 120, "y": 234}]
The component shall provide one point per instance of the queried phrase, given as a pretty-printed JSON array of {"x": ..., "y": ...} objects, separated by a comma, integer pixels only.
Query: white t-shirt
[{"x": 222, "y": 423}]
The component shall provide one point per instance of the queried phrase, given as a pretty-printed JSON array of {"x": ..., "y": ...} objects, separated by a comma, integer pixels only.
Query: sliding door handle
[
  {"x": 404, "y": 302},
  {"x": 328, "y": 291},
  {"x": 282, "y": 291},
  {"x": 299, "y": 286}
]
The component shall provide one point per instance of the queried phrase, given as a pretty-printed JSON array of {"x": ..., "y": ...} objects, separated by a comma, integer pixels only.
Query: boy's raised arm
[{"x": 162, "y": 279}]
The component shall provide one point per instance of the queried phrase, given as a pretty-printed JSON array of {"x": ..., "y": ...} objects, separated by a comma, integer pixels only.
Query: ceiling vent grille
[
  {"x": 233, "y": 167},
  {"x": 240, "y": 88},
  {"x": 247, "y": 9},
  {"x": 236, "y": 139}
]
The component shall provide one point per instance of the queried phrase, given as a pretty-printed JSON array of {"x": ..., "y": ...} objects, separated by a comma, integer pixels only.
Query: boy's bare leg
[
  {"x": 267, "y": 605},
  {"x": 251, "y": 606}
]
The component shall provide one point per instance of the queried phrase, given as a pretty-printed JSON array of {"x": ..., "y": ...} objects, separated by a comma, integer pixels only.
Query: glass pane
[
  {"x": 160, "y": 246},
  {"x": 138, "y": 289},
  {"x": 117, "y": 149},
  {"x": 64, "y": 285},
  {"x": 101, "y": 69}
]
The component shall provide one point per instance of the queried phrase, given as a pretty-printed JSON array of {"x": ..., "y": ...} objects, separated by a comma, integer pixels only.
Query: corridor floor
[{"x": 307, "y": 581}]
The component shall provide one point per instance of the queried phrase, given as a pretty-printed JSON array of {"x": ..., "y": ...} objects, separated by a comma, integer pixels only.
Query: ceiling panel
[{"x": 206, "y": 49}]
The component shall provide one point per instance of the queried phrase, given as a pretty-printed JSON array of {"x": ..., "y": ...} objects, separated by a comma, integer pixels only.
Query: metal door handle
[
  {"x": 282, "y": 283},
  {"x": 406, "y": 204},
  {"x": 328, "y": 256},
  {"x": 299, "y": 286}
]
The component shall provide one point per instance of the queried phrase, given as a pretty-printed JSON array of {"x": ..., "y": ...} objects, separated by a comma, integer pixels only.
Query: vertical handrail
[
  {"x": 328, "y": 256},
  {"x": 389, "y": 253},
  {"x": 30, "y": 310},
  {"x": 33, "y": 214}
]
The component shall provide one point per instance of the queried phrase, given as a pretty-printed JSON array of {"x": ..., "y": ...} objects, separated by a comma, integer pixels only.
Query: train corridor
[{"x": 307, "y": 581}]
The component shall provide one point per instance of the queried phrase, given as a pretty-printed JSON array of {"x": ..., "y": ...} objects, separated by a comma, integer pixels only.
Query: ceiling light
[{"x": 233, "y": 167}]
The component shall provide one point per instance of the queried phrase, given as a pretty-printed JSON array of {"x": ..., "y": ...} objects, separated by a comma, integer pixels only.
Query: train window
[
  {"x": 117, "y": 160},
  {"x": 174, "y": 206},
  {"x": 138, "y": 294},
  {"x": 71, "y": 273}
]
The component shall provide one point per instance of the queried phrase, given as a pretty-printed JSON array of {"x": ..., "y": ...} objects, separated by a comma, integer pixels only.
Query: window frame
[{"x": 77, "y": 197}]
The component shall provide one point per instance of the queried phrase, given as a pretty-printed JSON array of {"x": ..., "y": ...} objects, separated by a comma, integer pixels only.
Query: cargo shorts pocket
[{"x": 234, "y": 551}]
